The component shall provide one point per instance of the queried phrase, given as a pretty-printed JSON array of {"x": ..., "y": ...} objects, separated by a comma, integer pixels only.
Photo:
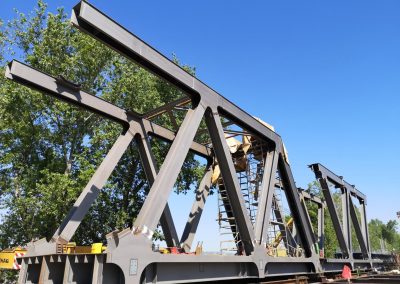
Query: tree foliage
[
  {"x": 384, "y": 236},
  {"x": 50, "y": 149}
]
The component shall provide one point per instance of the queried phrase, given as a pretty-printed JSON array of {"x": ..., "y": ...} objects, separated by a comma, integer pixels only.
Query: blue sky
[{"x": 326, "y": 74}]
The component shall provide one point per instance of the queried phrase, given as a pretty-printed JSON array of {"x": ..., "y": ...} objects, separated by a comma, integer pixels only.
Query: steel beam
[
  {"x": 346, "y": 225},
  {"x": 357, "y": 229},
  {"x": 304, "y": 207},
  {"x": 196, "y": 211},
  {"x": 98, "y": 269},
  {"x": 150, "y": 169},
  {"x": 44, "y": 270},
  {"x": 228, "y": 172},
  {"x": 156, "y": 200},
  {"x": 300, "y": 218},
  {"x": 334, "y": 217},
  {"x": 67, "y": 277},
  {"x": 265, "y": 200},
  {"x": 349, "y": 212},
  {"x": 91, "y": 191},
  {"x": 354, "y": 191},
  {"x": 164, "y": 268},
  {"x": 22, "y": 275},
  {"x": 321, "y": 208},
  {"x": 166, "y": 108},
  {"x": 321, "y": 215},
  {"x": 169, "y": 136},
  {"x": 91, "y": 21},
  {"x": 364, "y": 225},
  {"x": 337, "y": 180},
  {"x": 65, "y": 91},
  {"x": 321, "y": 227},
  {"x": 308, "y": 196},
  {"x": 322, "y": 171},
  {"x": 324, "y": 175}
]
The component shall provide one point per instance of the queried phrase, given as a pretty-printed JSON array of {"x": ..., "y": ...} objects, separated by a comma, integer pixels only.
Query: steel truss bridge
[{"x": 130, "y": 257}]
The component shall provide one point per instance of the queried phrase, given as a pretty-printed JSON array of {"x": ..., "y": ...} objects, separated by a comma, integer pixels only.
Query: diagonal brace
[
  {"x": 357, "y": 229},
  {"x": 92, "y": 189},
  {"x": 149, "y": 165},
  {"x": 300, "y": 217},
  {"x": 334, "y": 216},
  {"x": 265, "y": 200},
  {"x": 156, "y": 200},
  {"x": 196, "y": 211},
  {"x": 231, "y": 182}
]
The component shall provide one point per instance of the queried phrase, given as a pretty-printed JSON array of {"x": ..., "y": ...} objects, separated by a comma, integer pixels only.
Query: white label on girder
[{"x": 133, "y": 266}]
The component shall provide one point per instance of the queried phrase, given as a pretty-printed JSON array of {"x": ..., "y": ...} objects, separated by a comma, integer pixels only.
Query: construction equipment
[
  {"x": 8, "y": 258},
  {"x": 130, "y": 256},
  {"x": 280, "y": 235},
  {"x": 72, "y": 248}
]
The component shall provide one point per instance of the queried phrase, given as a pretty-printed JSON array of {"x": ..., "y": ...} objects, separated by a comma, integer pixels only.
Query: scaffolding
[{"x": 248, "y": 155}]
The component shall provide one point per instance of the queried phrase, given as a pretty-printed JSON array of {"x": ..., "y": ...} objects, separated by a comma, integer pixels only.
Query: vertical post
[
  {"x": 23, "y": 271},
  {"x": 156, "y": 200},
  {"x": 98, "y": 269},
  {"x": 92, "y": 189},
  {"x": 44, "y": 270},
  {"x": 67, "y": 278},
  {"x": 197, "y": 209},
  {"x": 364, "y": 225},
  {"x": 266, "y": 193},
  {"x": 346, "y": 218},
  {"x": 321, "y": 226},
  {"x": 150, "y": 169},
  {"x": 244, "y": 225}
]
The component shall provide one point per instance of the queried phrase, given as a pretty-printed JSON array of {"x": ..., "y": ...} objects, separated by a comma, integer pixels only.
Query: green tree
[
  {"x": 387, "y": 233},
  {"x": 50, "y": 149}
]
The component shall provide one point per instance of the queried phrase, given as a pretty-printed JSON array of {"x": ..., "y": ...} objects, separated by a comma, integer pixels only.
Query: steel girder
[
  {"x": 305, "y": 196},
  {"x": 133, "y": 125},
  {"x": 130, "y": 249},
  {"x": 91, "y": 21},
  {"x": 343, "y": 229}
]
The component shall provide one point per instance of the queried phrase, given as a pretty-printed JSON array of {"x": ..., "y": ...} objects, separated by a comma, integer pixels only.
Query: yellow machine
[
  {"x": 8, "y": 258},
  {"x": 72, "y": 248},
  {"x": 280, "y": 236}
]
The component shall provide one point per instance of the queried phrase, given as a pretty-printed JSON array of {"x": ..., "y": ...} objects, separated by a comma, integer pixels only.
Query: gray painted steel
[
  {"x": 129, "y": 257},
  {"x": 197, "y": 209}
]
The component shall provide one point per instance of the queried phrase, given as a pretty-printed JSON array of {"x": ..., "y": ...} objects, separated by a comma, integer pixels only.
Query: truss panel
[{"x": 130, "y": 257}]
